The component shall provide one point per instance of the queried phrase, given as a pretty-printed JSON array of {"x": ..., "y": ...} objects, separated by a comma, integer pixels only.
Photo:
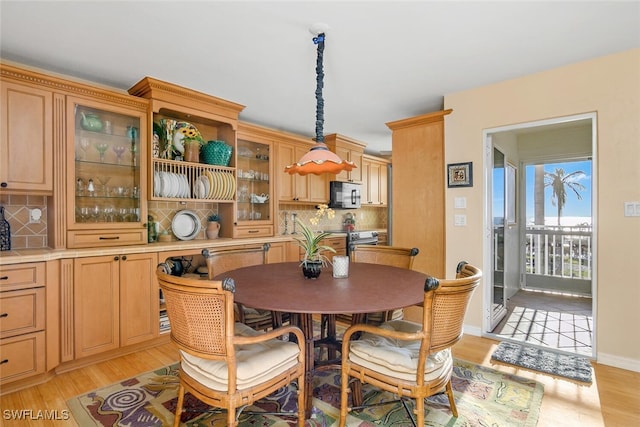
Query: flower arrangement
[
  {"x": 213, "y": 218},
  {"x": 310, "y": 241}
]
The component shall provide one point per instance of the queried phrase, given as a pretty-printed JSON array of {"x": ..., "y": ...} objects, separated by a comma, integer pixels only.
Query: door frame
[{"x": 488, "y": 214}]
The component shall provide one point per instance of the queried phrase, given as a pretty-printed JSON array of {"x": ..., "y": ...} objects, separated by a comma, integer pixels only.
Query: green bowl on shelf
[{"x": 216, "y": 153}]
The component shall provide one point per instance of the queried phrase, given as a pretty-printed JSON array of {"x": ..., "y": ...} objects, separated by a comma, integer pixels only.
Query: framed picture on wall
[
  {"x": 460, "y": 174},
  {"x": 510, "y": 188}
]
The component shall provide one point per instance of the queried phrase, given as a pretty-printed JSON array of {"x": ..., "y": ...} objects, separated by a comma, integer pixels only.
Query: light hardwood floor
[{"x": 612, "y": 400}]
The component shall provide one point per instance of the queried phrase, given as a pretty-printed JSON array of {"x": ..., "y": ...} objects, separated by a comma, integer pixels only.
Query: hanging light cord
[{"x": 319, "y": 40}]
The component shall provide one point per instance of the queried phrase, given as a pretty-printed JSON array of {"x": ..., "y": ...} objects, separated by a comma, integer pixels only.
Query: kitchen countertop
[{"x": 44, "y": 254}]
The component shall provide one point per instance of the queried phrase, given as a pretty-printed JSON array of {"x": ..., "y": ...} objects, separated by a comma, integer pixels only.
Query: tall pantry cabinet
[{"x": 418, "y": 187}]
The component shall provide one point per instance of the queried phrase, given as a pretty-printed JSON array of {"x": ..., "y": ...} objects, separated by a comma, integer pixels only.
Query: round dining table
[{"x": 369, "y": 288}]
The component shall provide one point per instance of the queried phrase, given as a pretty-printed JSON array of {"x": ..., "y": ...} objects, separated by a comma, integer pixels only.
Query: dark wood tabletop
[{"x": 369, "y": 288}]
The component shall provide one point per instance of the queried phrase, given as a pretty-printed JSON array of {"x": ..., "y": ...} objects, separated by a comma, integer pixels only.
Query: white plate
[
  {"x": 166, "y": 183},
  {"x": 185, "y": 225},
  {"x": 174, "y": 184},
  {"x": 157, "y": 184},
  {"x": 205, "y": 183},
  {"x": 185, "y": 186},
  {"x": 198, "y": 189}
]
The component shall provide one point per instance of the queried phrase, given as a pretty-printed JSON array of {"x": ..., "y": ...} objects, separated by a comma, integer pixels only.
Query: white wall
[{"x": 610, "y": 87}]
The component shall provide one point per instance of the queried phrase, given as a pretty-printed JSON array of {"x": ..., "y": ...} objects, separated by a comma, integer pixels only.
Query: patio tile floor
[{"x": 555, "y": 321}]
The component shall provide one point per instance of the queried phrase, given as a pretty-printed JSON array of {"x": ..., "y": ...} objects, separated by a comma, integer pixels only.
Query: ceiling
[{"x": 383, "y": 60}]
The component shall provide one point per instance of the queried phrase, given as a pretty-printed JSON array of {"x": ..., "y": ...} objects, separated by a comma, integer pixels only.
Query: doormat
[
  {"x": 574, "y": 367},
  {"x": 484, "y": 396}
]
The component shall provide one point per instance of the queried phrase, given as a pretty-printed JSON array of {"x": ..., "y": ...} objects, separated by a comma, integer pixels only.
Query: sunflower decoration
[{"x": 183, "y": 133}]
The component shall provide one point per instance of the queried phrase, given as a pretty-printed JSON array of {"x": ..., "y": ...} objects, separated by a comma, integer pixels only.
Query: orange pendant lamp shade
[{"x": 319, "y": 159}]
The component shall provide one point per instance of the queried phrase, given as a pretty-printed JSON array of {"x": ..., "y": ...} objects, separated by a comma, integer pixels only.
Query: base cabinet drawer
[
  {"x": 22, "y": 356},
  {"x": 21, "y": 276},
  {"x": 256, "y": 231},
  {"x": 22, "y": 312},
  {"x": 93, "y": 239}
]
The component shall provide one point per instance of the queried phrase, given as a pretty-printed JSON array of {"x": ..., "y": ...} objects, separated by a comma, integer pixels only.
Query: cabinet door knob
[
  {"x": 3, "y": 185},
  {"x": 124, "y": 257},
  {"x": 4, "y": 315},
  {"x": 4, "y": 361},
  {"x": 116, "y": 258}
]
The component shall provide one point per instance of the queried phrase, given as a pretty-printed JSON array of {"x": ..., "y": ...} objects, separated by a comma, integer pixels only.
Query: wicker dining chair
[
  {"x": 409, "y": 359},
  {"x": 220, "y": 261},
  {"x": 224, "y": 363},
  {"x": 374, "y": 254}
]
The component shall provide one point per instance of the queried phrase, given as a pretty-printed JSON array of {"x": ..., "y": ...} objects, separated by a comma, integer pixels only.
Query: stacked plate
[
  {"x": 169, "y": 184},
  {"x": 214, "y": 185},
  {"x": 185, "y": 225}
]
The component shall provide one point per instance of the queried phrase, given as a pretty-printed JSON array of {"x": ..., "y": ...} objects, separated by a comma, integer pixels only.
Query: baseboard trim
[
  {"x": 472, "y": 330},
  {"x": 618, "y": 362}
]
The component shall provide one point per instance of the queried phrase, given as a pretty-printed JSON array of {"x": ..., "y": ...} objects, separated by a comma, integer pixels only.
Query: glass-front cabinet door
[
  {"x": 105, "y": 186},
  {"x": 254, "y": 173}
]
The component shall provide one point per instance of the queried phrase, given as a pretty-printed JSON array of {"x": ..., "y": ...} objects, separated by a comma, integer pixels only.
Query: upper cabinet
[
  {"x": 374, "y": 181},
  {"x": 179, "y": 115},
  {"x": 255, "y": 177},
  {"x": 347, "y": 149},
  {"x": 26, "y": 139},
  {"x": 106, "y": 169}
]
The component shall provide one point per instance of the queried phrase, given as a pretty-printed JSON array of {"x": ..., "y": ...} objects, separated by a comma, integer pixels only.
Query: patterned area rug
[
  {"x": 574, "y": 367},
  {"x": 484, "y": 397}
]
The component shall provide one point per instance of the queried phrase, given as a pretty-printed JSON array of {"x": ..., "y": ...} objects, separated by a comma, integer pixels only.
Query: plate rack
[{"x": 221, "y": 188}]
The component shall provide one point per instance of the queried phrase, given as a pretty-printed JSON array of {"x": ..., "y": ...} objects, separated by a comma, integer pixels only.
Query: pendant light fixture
[{"x": 319, "y": 159}]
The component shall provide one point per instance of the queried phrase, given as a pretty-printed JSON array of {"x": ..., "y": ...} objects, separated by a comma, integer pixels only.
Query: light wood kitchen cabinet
[
  {"x": 418, "y": 210},
  {"x": 115, "y": 302},
  {"x": 337, "y": 242},
  {"x": 26, "y": 139},
  {"x": 106, "y": 189},
  {"x": 255, "y": 201},
  {"x": 347, "y": 149},
  {"x": 374, "y": 181},
  {"x": 298, "y": 188},
  {"x": 22, "y": 321},
  {"x": 215, "y": 119}
]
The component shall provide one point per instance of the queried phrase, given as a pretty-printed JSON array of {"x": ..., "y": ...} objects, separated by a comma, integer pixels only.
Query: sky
[{"x": 573, "y": 206}]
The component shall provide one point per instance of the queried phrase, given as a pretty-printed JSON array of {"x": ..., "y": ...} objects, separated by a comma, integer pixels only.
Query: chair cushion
[
  {"x": 256, "y": 363},
  {"x": 397, "y": 358}
]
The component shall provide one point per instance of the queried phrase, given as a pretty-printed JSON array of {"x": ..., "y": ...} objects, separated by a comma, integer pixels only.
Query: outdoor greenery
[{"x": 559, "y": 183}]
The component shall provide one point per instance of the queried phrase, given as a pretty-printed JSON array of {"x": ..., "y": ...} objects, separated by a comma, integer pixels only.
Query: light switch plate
[
  {"x": 460, "y": 202},
  {"x": 631, "y": 208}
]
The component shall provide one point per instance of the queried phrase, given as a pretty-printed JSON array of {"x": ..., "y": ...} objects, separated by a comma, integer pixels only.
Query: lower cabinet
[
  {"x": 22, "y": 321},
  {"x": 115, "y": 301}
]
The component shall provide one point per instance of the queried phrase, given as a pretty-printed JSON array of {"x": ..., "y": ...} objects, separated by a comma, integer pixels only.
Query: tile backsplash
[
  {"x": 25, "y": 235},
  {"x": 367, "y": 218}
]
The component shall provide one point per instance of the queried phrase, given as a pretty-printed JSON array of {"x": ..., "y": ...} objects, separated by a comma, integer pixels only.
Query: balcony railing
[{"x": 557, "y": 251}]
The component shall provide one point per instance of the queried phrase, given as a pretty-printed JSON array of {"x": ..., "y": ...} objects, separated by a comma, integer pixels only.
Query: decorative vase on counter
[
  {"x": 212, "y": 230},
  {"x": 192, "y": 151},
  {"x": 311, "y": 269}
]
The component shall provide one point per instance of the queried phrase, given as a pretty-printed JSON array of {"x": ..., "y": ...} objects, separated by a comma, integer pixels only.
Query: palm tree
[{"x": 559, "y": 182}]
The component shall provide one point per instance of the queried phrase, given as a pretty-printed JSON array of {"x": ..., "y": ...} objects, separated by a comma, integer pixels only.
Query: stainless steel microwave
[{"x": 344, "y": 195}]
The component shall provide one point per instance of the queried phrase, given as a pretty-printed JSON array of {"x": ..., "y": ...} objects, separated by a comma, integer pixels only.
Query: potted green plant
[
  {"x": 213, "y": 226},
  {"x": 313, "y": 258}
]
